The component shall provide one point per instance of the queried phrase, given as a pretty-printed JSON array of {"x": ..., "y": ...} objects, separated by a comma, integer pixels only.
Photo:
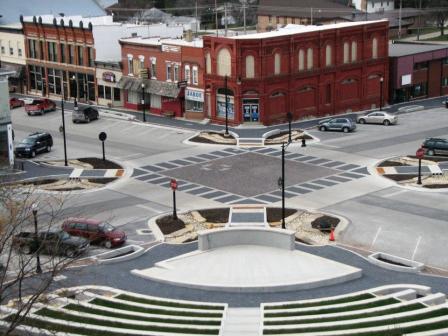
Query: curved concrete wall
[{"x": 211, "y": 239}]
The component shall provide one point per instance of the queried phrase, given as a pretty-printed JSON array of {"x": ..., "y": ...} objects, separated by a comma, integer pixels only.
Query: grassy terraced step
[
  {"x": 379, "y": 303},
  {"x": 122, "y": 325},
  {"x": 360, "y": 325},
  {"x": 397, "y": 310},
  {"x": 152, "y": 301},
  {"x": 147, "y": 310},
  {"x": 96, "y": 311},
  {"x": 326, "y": 302}
]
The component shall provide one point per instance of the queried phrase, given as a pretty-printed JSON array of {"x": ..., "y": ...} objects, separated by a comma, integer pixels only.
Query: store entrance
[{"x": 251, "y": 112}]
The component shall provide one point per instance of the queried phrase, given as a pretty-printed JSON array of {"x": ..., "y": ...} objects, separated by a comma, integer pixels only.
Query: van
[{"x": 87, "y": 114}]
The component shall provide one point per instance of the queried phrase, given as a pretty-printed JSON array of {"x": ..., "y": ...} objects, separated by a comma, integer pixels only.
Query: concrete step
[{"x": 242, "y": 321}]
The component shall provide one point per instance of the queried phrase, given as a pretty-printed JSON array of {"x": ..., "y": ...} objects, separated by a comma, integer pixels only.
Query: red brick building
[
  {"x": 156, "y": 66},
  {"x": 305, "y": 70}
]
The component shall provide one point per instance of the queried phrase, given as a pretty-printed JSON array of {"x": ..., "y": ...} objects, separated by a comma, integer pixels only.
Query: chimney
[{"x": 189, "y": 35}]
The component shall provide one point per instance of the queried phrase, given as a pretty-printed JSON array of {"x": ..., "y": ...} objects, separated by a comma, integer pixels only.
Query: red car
[
  {"x": 14, "y": 102},
  {"x": 94, "y": 230},
  {"x": 40, "y": 106}
]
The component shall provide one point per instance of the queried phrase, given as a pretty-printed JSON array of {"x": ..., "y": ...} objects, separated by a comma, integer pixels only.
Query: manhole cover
[{"x": 144, "y": 232}]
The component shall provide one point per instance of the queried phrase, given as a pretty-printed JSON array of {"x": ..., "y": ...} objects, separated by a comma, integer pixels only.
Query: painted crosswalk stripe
[{"x": 76, "y": 173}]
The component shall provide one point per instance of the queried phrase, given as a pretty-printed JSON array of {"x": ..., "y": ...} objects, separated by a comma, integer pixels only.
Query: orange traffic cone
[{"x": 332, "y": 234}]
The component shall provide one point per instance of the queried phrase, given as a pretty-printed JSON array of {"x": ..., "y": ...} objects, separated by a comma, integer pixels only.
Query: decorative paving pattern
[{"x": 215, "y": 175}]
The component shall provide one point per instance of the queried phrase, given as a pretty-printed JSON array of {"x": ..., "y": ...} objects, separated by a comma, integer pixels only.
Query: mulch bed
[
  {"x": 38, "y": 182},
  {"x": 201, "y": 139},
  {"x": 400, "y": 177},
  {"x": 98, "y": 163},
  {"x": 219, "y": 215},
  {"x": 275, "y": 214},
  {"x": 438, "y": 158},
  {"x": 390, "y": 163},
  {"x": 283, "y": 133},
  {"x": 325, "y": 223},
  {"x": 168, "y": 224},
  {"x": 435, "y": 186},
  {"x": 102, "y": 180}
]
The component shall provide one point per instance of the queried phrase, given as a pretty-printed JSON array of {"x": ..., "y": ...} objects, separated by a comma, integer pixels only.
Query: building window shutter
[
  {"x": 375, "y": 48},
  {"x": 328, "y": 55},
  {"x": 301, "y": 60},
  {"x": 208, "y": 63},
  {"x": 346, "y": 47},
  {"x": 354, "y": 51},
  {"x": 277, "y": 64},
  {"x": 309, "y": 59}
]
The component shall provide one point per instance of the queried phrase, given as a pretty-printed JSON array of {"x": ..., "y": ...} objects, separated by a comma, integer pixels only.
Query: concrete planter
[{"x": 409, "y": 266}]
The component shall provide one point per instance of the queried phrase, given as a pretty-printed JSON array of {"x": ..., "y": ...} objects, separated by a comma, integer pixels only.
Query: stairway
[{"x": 242, "y": 322}]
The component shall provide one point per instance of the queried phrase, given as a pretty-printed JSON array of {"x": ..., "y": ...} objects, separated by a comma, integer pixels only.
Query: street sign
[
  {"x": 102, "y": 136},
  {"x": 182, "y": 84},
  {"x": 173, "y": 184},
  {"x": 420, "y": 153}
]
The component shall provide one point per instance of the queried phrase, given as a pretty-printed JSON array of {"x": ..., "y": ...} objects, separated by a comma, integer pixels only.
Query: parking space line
[
  {"x": 148, "y": 208},
  {"x": 416, "y": 247},
  {"x": 376, "y": 236}
]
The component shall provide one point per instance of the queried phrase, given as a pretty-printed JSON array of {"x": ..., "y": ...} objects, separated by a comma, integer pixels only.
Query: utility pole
[
  {"x": 419, "y": 20},
  {"x": 225, "y": 19},
  {"x": 244, "y": 15},
  {"x": 196, "y": 15},
  {"x": 216, "y": 17},
  {"x": 399, "y": 20},
  {"x": 311, "y": 16}
]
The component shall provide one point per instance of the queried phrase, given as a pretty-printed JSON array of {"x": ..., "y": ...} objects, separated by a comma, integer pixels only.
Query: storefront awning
[
  {"x": 18, "y": 69},
  {"x": 152, "y": 86}
]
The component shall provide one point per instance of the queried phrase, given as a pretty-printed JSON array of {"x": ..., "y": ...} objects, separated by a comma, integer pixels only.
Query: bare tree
[{"x": 19, "y": 280}]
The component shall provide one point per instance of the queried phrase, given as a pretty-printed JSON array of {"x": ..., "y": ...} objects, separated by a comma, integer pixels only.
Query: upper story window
[
  {"x": 187, "y": 74},
  {"x": 141, "y": 58},
  {"x": 420, "y": 65},
  {"x": 19, "y": 52},
  {"x": 208, "y": 63},
  {"x": 224, "y": 63},
  {"x": 374, "y": 48},
  {"x": 195, "y": 75},
  {"x": 32, "y": 47},
  {"x": 41, "y": 50},
  {"x": 153, "y": 68},
  {"x": 62, "y": 52},
  {"x": 71, "y": 54},
  {"x": 445, "y": 60},
  {"x": 2, "y": 48},
  {"x": 346, "y": 50},
  {"x": 250, "y": 66},
  {"x": 52, "y": 52},
  {"x": 168, "y": 71},
  {"x": 354, "y": 51},
  {"x": 130, "y": 65},
  {"x": 277, "y": 64},
  {"x": 176, "y": 73},
  {"x": 301, "y": 60},
  {"x": 80, "y": 55},
  {"x": 91, "y": 57},
  {"x": 309, "y": 58},
  {"x": 328, "y": 60}
]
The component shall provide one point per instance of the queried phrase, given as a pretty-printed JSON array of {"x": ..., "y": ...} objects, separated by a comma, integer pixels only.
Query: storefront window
[
  {"x": 194, "y": 106},
  {"x": 445, "y": 81},
  {"x": 221, "y": 104},
  {"x": 117, "y": 94},
  {"x": 54, "y": 81},
  {"x": 100, "y": 91}
]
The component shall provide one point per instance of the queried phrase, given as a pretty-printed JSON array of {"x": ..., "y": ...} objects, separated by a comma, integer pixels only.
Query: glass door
[{"x": 250, "y": 113}]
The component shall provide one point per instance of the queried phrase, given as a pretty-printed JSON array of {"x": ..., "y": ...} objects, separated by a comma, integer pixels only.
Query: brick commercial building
[
  {"x": 155, "y": 68},
  {"x": 417, "y": 71},
  {"x": 308, "y": 71},
  {"x": 62, "y": 51}
]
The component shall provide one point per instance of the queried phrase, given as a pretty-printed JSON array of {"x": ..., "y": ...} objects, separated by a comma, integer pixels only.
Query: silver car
[{"x": 378, "y": 117}]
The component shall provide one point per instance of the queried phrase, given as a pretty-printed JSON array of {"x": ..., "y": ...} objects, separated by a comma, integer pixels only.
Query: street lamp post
[
  {"x": 227, "y": 106},
  {"x": 289, "y": 117},
  {"x": 63, "y": 127},
  {"x": 36, "y": 241},
  {"x": 381, "y": 93},
  {"x": 143, "y": 102},
  {"x": 284, "y": 146}
]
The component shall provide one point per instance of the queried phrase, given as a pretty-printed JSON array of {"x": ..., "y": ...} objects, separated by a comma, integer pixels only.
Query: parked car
[
  {"x": 95, "y": 231},
  {"x": 40, "y": 106},
  {"x": 54, "y": 242},
  {"x": 15, "y": 102},
  {"x": 378, "y": 117},
  {"x": 33, "y": 144},
  {"x": 85, "y": 115},
  {"x": 337, "y": 124},
  {"x": 435, "y": 146}
]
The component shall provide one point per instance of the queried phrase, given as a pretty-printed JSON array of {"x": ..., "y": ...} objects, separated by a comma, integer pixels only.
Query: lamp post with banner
[
  {"x": 173, "y": 185},
  {"x": 420, "y": 154}
]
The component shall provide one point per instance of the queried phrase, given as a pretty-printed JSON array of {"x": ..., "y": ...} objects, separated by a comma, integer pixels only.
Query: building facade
[
  {"x": 166, "y": 74},
  {"x": 108, "y": 74},
  {"x": 6, "y": 141},
  {"x": 374, "y": 6},
  {"x": 12, "y": 55},
  {"x": 417, "y": 71},
  {"x": 308, "y": 71}
]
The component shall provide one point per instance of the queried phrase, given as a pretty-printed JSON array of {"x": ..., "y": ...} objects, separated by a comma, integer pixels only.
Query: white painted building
[
  {"x": 12, "y": 54},
  {"x": 374, "y": 6}
]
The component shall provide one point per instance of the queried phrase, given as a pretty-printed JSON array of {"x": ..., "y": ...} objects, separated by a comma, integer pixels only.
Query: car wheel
[
  {"x": 42, "y": 112},
  {"x": 430, "y": 152},
  {"x": 29, "y": 114},
  {"x": 48, "y": 149},
  {"x": 362, "y": 121},
  {"x": 345, "y": 129},
  {"x": 33, "y": 154},
  {"x": 70, "y": 253},
  {"x": 386, "y": 122},
  {"x": 108, "y": 244},
  {"x": 322, "y": 128},
  {"x": 25, "y": 249},
  {"x": 87, "y": 119}
]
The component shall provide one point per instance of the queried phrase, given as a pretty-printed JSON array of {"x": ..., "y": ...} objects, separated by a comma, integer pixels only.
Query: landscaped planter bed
[
  {"x": 283, "y": 136},
  {"x": 216, "y": 138},
  {"x": 168, "y": 224},
  {"x": 219, "y": 215},
  {"x": 143, "y": 300},
  {"x": 395, "y": 263},
  {"x": 98, "y": 163}
]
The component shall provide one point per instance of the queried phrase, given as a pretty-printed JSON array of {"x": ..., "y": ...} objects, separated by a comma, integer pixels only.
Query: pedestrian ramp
[
  {"x": 242, "y": 321},
  {"x": 96, "y": 173},
  {"x": 250, "y": 142},
  {"x": 250, "y": 215}
]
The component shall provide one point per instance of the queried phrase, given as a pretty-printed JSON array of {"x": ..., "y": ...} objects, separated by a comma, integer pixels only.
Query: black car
[
  {"x": 87, "y": 114},
  {"x": 34, "y": 143},
  {"x": 435, "y": 146}
]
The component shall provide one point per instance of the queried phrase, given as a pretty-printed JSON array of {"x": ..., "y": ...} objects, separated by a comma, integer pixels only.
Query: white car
[{"x": 378, "y": 117}]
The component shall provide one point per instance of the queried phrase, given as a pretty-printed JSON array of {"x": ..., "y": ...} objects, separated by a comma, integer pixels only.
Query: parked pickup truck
[
  {"x": 40, "y": 106},
  {"x": 55, "y": 242}
]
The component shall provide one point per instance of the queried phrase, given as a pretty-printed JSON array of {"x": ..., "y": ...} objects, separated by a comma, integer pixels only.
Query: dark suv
[
  {"x": 33, "y": 144},
  {"x": 435, "y": 146}
]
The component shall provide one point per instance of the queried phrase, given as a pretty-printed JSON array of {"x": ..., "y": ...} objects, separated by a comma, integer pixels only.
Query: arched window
[
  {"x": 224, "y": 63},
  {"x": 208, "y": 63},
  {"x": 301, "y": 60},
  {"x": 375, "y": 48},
  {"x": 354, "y": 51},
  {"x": 309, "y": 58},
  {"x": 277, "y": 64},
  {"x": 250, "y": 66},
  {"x": 346, "y": 50},
  {"x": 328, "y": 61}
]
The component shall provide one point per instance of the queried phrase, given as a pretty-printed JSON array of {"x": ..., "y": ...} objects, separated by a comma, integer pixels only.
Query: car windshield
[
  {"x": 28, "y": 141},
  {"x": 106, "y": 227},
  {"x": 64, "y": 235}
]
